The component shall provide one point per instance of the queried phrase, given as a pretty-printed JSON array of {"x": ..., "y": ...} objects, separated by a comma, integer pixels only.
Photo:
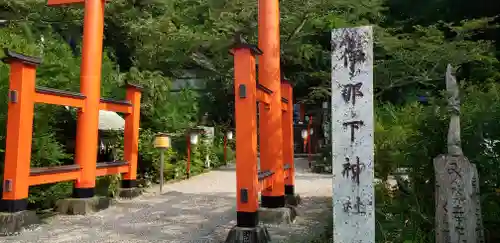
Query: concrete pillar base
[
  {"x": 82, "y": 206},
  {"x": 257, "y": 234},
  {"x": 11, "y": 223},
  {"x": 285, "y": 215}
]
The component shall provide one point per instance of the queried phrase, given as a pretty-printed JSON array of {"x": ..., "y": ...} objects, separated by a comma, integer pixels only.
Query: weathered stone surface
[
  {"x": 11, "y": 223},
  {"x": 258, "y": 234},
  {"x": 129, "y": 193},
  {"x": 452, "y": 89},
  {"x": 476, "y": 197},
  {"x": 458, "y": 212},
  {"x": 458, "y": 208},
  {"x": 285, "y": 215},
  {"x": 353, "y": 130},
  {"x": 82, "y": 206},
  {"x": 292, "y": 200}
]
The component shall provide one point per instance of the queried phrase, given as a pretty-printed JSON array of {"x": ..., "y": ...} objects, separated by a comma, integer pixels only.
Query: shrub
[{"x": 411, "y": 136}]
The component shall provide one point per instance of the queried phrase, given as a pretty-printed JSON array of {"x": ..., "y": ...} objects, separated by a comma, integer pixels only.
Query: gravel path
[{"x": 201, "y": 209}]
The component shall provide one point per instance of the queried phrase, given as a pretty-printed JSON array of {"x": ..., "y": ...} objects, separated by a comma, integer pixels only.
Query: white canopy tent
[{"x": 109, "y": 120}]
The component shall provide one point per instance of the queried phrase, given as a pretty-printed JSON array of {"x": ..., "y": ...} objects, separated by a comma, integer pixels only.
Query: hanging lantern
[
  {"x": 162, "y": 141},
  {"x": 193, "y": 138},
  {"x": 229, "y": 135},
  {"x": 303, "y": 133}
]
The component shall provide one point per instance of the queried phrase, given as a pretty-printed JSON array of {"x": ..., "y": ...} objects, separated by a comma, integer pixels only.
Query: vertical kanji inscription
[
  {"x": 352, "y": 130},
  {"x": 353, "y": 125},
  {"x": 353, "y": 170},
  {"x": 351, "y": 91}
]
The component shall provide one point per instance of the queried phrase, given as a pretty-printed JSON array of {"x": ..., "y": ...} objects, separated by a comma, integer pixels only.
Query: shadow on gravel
[
  {"x": 312, "y": 176},
  {"x": 311, "y": 225},
  {"x": 177, "y": 216},
  {"x": 171, "y": 217}
]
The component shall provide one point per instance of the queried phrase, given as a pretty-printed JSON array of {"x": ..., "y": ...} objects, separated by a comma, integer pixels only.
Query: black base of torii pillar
[{"x": 258, "y": 234}]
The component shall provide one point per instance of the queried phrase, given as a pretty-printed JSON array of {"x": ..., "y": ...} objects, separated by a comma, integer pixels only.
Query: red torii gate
[
  {"x": 276, "y": 158},
  {"x": 249, "y": 180},
  {"x": 23, "y": 94},
  {"x": 275, "y": 181}
]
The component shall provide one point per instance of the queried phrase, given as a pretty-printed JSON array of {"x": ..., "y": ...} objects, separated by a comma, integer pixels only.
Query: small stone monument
[{"x": 458, "y": 209}]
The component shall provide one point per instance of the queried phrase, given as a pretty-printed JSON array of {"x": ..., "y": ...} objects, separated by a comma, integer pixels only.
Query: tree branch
[{"x": 298, "y": 28}]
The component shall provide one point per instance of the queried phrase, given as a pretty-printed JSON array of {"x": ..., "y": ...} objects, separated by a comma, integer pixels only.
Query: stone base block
[
  {"x": 258, "y": 234},
  {"x": 285, "y": 215},
  {"x": 292, "y": 200},
  {"x": 129, "y": 193},
  {"x": 82, "y": 206},
  {"x": 11, "y": 223}
]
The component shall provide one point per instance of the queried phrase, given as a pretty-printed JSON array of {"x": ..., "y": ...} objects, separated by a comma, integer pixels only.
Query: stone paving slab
[{"x": 201, "y": 209}]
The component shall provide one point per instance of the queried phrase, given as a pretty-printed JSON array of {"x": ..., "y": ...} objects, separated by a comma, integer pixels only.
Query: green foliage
[
  {"x": 323, "y": 163},
  {"x": 53, "y": 124},
  {"x": 47, "y": 151},
  {"x": 219, "y": 155},
  {"x": 411, "y": 64},
  {"x": 180, "y": 113},
  {"x": 108, "y": 185},
  {"x": 154, "y": 43},
  {"x": 399, "y": 219},
  {"x": 411, "y": 136},
  {"x": 399, "y": 130},
  {"x": 149, "y": 158},
  {"x": 45, "y": 196}
]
